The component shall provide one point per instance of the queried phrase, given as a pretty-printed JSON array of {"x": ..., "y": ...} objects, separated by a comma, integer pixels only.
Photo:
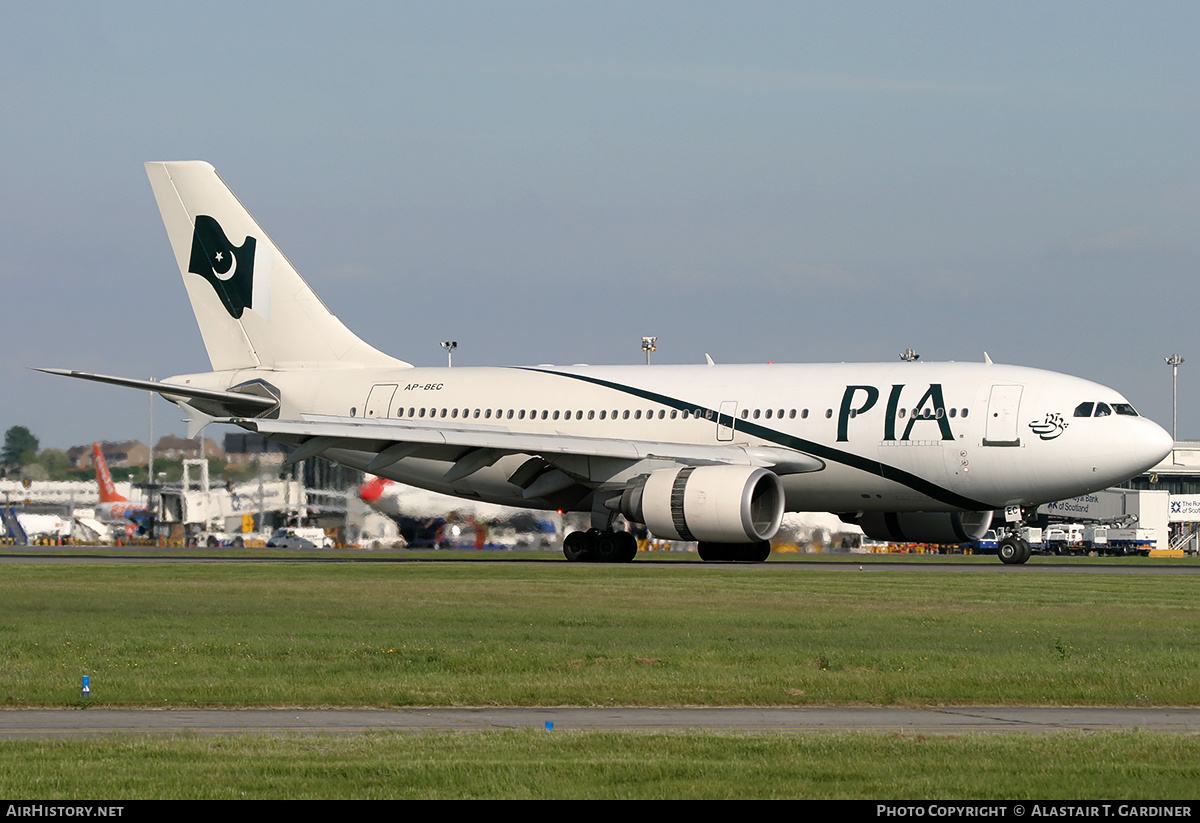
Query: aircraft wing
[{"x": 481, "y": 445}]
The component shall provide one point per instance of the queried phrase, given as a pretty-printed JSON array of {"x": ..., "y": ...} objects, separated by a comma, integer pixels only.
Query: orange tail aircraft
[{"x": 113, "y": 506}]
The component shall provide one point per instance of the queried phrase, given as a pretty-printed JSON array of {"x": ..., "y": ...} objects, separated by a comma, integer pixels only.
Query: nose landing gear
[{"x": 1014, "y": 549}]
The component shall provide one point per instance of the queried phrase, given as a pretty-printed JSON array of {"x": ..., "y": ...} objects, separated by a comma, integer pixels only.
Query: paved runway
[{"x": 21, "y": 723}]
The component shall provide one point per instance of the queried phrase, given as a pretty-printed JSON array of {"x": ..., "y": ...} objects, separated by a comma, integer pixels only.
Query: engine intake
[{"x": 720, "y": 504}]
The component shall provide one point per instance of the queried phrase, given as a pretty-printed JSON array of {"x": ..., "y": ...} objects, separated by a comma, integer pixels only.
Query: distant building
[
  {"x": 176, "y": 448},
  {"x": 246, "y": 447},
  {"x": 123, "y": 453}
]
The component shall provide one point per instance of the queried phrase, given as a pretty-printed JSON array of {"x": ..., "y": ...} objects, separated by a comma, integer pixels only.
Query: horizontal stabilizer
[{"x": 237, "y": 403}]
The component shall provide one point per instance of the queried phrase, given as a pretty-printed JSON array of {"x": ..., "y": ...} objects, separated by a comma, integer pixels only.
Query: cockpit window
[
  {"x": 1084, "y": 410},
  {"x": 1102, "y": 410},
  {"x": 1125, "y": 409}
]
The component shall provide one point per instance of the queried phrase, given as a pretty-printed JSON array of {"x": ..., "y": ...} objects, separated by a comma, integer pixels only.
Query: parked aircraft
[
  {"x": 913, "y": 451},
  {"x": 421, "y": 515},
  {"x": 114, "y": 506}
]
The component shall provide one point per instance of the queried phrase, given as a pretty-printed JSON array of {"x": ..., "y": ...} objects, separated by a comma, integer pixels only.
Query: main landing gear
[
  {"x": 608, "y": 546},
  {"x": 735, "y": 552},
  {"x": 600, "y": 546},
  {"x": 1013, "y": 548}
]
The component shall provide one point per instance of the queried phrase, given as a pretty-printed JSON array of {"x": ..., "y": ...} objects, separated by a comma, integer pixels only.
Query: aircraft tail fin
[
  {"x": 108, "y": 491},
  {"x": 254, "y": 309}
]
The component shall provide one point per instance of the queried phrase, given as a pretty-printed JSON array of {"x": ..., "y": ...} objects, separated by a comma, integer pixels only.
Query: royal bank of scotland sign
[{"x": 1185, "y": 508}]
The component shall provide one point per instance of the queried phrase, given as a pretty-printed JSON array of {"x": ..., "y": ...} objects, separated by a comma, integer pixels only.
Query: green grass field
[
  {"x": 605, "y": 765},
  {"x": 553, "y": 634}
]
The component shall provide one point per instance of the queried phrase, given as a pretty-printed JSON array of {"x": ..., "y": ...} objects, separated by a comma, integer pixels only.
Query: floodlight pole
[
  {"x": 648, "y": 345},
  {"x": 450, "y": 346},
  {"x": 1173, "y": 361}
]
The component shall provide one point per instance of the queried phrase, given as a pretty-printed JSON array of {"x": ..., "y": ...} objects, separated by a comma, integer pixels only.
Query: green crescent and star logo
[{"x": 228, "y": 268}]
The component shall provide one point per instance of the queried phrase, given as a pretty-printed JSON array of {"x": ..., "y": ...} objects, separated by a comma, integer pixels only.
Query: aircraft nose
[
  {"x": 1158, "y": 442},
  {"x": 1144, "y": 446}
]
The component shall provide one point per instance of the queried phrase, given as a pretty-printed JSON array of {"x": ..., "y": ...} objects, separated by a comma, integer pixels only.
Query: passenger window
[{"x": 1084, "y": 410}]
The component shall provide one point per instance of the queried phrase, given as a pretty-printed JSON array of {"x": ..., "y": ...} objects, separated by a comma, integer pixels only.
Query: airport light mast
[
  {"x": 1174, "y": 361},
  {"x": 648, "y": 345},
  {"x": 449, "y": 346}
]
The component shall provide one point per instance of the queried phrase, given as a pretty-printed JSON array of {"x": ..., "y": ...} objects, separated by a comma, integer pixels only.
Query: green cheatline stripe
[{"x": 854, "y": 461}]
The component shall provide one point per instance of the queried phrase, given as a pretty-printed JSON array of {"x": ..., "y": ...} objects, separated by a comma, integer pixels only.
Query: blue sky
[{"x": 547, "y": 182}]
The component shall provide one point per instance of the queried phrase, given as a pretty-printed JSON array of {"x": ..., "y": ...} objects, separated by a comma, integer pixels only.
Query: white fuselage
[{"x": 892, "y": 437}]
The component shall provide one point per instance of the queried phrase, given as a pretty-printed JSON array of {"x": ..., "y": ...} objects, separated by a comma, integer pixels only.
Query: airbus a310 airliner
[{"x": 912, "y": 451}]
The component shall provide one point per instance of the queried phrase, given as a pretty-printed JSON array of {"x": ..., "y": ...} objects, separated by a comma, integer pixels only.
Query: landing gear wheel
[
  {"x": 1014, "y": 550},
  {"x": 628, "y": 547},
  {"x": 759, "y": 552},
  {"x": 577, "y": 547},
  {"x": 1026, "y": 550},
  {"x": 734, "y": 552},
  {"x": 606, "y": 547}
]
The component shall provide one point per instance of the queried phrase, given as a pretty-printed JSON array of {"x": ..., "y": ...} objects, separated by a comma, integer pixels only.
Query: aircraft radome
[{"x": 922, "y": 452}]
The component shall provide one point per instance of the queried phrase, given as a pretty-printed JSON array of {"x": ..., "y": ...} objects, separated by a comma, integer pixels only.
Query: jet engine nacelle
[
  {"x": 719, "y": 504},
  {"x": 925, "y": 527}
]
